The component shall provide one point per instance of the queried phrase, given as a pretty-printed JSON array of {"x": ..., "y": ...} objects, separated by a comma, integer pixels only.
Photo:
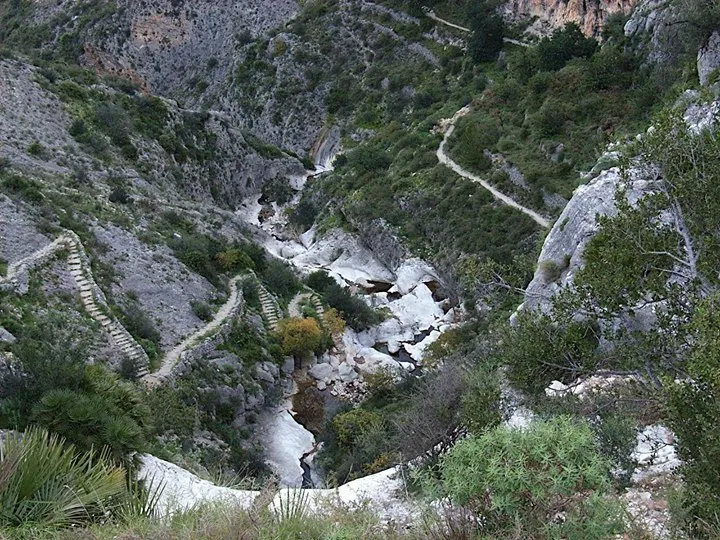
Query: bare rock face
[
  {"x": 562, "y": 253},
  {"x": 709, "y": 58},
  {"x": 551, "y": 14},
  {"x": 164, "y": 287},
  {"x": 667, "y": 32},
  {"x": 32, "y": 116}
]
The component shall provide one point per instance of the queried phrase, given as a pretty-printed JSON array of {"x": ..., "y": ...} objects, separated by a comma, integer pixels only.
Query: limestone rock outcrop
[
  {"x": 562, "y": 253},
  {"x": 548, "y": 15},
  {"x": 709, "y": 59}
]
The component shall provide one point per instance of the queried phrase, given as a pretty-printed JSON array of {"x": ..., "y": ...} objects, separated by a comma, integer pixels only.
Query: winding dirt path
[
  {"x": 91, "y": 296},
  {"x": 227, "y": 310},
  {"x": 446, "y": 160},
  {"x": 431, "y": 14},
  {"x": 294, "y": 305}
]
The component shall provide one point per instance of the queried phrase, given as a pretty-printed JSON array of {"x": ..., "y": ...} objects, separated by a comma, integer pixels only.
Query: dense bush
[
  {"x": 565, "y": 43},
  {"x": 486, "y": 40},
  {"x": 301, "y": 337},
  {"x": 538, "y": 351},
  {"x": 693, "y": 411},
  {"x": 250, "y": 346},
  {"x": 52, "y": 357},
  {"x": 139, "y": 324},
  {"x": 354, "y": 311},
  {"x": 527, "y": 477},
  {"x": 280, "y": 279},
  {"x": 103, "y": 412},
  {"x": 201, "y": 310}
]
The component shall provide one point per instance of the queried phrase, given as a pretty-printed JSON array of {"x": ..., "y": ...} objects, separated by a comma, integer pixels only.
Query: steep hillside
[{"x": 251, "y": 249}]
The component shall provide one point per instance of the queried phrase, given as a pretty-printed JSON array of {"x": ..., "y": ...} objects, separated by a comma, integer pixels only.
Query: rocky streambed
[{"x": 409, "y": 293}]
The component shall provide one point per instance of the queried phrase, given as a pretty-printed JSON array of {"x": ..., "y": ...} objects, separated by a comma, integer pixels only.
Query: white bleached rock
[
  {"x": 556, "y": 389},
  {"x": 285, "y": 441},
  {"x": 249, "y": 209},
  {"x": 411, "y": 273},
  {"x": 417, "y": 310},
  {"x": 708, "y": 59},
  {"x": 347, "y": 373},
  {"x": 183, "y": 490},
  {"x": 382, "y": 494},
  {"x": 655, "y": 452},
  {"x": 565, "y": 243},
  {"x": 343, "y": 254},
  {"x": 390, "y": 330},
  {"x": 417, "y": 351}
]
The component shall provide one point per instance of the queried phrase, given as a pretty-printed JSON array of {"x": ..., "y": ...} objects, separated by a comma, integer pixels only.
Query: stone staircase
[
  {"x": 294, "y": 306},
  {"x": 271, "y": 310},
  {"x": 91, "y": 296},
  {"x": 317, "y": 305}
]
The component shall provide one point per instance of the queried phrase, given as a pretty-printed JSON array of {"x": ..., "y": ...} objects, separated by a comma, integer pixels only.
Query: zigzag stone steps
[
  {"x": 270, "y": 309},
  {"x": 91, "y": 295},
  {"x": 294, "y": 306}
]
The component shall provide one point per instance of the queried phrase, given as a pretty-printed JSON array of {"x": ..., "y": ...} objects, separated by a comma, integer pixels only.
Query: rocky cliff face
[
  {"x": 562, "y": 252},
  {"x": 564, "y": 246},
  {"x": 548, "y": 15},
  {"x": 670, "y": 33},
  {"x": 35, "y": 115}
]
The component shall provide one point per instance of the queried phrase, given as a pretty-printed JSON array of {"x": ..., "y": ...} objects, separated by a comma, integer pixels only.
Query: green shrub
[
  {"x": 693, "y": 410},
  {"x": 280, "y": 279},
  {"x": 103, "y": 412},
  {"x": 113, "y": 120},
  {"x": 355, "y": 312},
  {"x": 171, "y": 414},
  {"x": 46, "y": 484},
  {"x": 486, "y": 40},
  {"x": 201, "y": 310},
  {"x": 350, "y": 426},
  {"x": 550, "y": 270},
  {"x": 300, "y": 337},
  {"x": 119, "y": 195},
  {"x": 565, "y": 43},
  {"x": 24, "y": 187},
  {"x": 278, "y": 190},
  {"x": 538, "y": 351},
  {"x": 303, "y": 215},
  {"x": 36, "y": 149},
  {"x": 529, "y": 476},
  {"x": 139, "y": 324}
]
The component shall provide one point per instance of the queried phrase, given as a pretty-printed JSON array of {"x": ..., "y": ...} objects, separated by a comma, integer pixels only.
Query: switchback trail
[
  {"x": 448, "y": 162},
  {"x": 91, "y": 296},
  {"x": 431, "y": 14},
  {"x": 171, "y": 358}
]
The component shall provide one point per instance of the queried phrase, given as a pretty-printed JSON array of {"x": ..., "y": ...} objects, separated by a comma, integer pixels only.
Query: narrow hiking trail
[
  {"x": 91, "y": 296},
  {"x": 294, "y": 307},
  {"x": 170, "y": 360},
  {"x": 449, "y": 128},
  {"x": 431, "y": 14},
  {"x": 94, "y": 302}
]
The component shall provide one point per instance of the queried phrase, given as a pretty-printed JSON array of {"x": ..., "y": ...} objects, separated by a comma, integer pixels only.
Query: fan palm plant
[{"x": 44, "y": 482}]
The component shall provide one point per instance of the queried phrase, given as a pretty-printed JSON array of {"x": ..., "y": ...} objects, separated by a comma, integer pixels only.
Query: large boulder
[{"x": 562, "y": 252}]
